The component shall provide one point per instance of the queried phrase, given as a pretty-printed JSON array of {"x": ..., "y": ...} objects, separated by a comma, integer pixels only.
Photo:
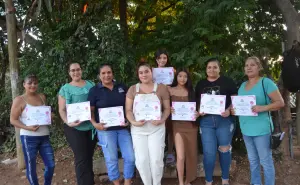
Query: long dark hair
[
  {"x": 188, "y": 85},
  {"x": 160, "y": 52}
]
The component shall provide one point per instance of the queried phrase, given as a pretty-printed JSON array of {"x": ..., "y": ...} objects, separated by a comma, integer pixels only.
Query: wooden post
[{"x": 14, "y": 67}]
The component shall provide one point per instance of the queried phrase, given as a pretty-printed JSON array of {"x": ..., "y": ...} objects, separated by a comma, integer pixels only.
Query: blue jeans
[
  {"x": 260, "y": 153},
  {"x": 109, "y": 141},
  {"x": 216, "y": 132},
  {"x": 31, "y": 146}
]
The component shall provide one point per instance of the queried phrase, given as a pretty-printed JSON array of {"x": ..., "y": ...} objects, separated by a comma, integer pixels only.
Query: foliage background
[{"x": 58, "y": 32}]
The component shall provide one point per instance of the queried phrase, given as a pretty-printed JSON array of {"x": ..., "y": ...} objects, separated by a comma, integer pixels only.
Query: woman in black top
[{"x": 216, "y": 130}]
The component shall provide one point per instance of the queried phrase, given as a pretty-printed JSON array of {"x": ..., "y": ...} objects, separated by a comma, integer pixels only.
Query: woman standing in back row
[
  {"x": 162, "y": 60},
  {"x": 216, "y": 130},
  {"x": 79, "y": 134}
]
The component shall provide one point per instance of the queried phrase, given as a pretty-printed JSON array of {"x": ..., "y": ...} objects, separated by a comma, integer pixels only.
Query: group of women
[{"x": 142, "y": 145}]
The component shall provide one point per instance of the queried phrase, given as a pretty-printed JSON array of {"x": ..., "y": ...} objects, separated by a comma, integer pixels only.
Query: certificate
[
  {"x": 163, "y": 75},
  {"x": 184, "y": 111},
  {"x": 212, "y": 104},
  {"x": 147, "y": 110},
  {"x": 242, "y": 105},
  {"x": 37, "y": 115},
  {"x": 78, "y": 112},
  {"x": 112, "y": 116}
]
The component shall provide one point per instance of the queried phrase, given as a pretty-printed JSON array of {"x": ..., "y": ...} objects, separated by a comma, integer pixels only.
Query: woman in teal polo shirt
[
  {"x": 257, "y": 129},
  {"x": 79, "y": 134}
]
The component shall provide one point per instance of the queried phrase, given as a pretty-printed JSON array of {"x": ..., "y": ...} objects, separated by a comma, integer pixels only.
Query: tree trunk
[
  {"x": 123, "y": 18},
  {"x": 292, "y": 22},
  {"x": 14, "y": 68},
  {"x": 285, "y": 117},
  {"x": 4, "y": 62}
]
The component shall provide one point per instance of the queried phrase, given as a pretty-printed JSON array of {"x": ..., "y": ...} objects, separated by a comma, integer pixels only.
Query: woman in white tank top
[{"x": 35, "y": 139}]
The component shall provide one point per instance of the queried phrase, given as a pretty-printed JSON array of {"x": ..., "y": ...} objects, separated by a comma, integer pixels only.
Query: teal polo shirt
[
  {"x": 257, "y": 125},
  {"x": 74, "y": 94}
]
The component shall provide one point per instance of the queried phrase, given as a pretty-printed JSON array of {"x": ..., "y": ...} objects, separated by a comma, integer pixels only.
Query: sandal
[{"x": 170, "y": 159}]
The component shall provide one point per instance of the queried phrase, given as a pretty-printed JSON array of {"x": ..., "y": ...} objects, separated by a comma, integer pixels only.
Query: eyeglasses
[{"x": 73, "y": 70}]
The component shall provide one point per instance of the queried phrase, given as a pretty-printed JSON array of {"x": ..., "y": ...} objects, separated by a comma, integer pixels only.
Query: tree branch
[
  {"x": 123, "y": 18},
  {"x": 147, "y": 17},
  {"x": 287, "y": 9},
  {"x": 291, "y": 18}
]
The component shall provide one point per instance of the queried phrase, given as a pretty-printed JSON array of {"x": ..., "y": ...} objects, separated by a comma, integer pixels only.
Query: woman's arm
[
  {"x": 15, "y": 113},
  {"x": 62, "y": 108},
  {"x": 197, "y": 96},
  {"x": 43, "y": 96},
  {"x": 128, "y": 110},
  {"x": 63, "y": 112},
  {"x": 166, "y": 111},
  {"x": 233, "y": 92},
  {"x": 165, "y": 96},
  {"x": 98, "y": 126},
  {"x": 170, "y": 90},
  {"x": 129, "y": 113},
  {"x": 277, "y": 103}
]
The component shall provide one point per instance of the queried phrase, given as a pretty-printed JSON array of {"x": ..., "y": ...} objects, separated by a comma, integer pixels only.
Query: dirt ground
[{"x": 287, "y": 172}]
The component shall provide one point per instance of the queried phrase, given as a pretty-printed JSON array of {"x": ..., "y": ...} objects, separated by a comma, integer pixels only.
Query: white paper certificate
[
  {"x": 212, "y": 104},
  {"x": 184, "y": 111},
  {"x": 147, "y": 110},
  {"x": 242, "y": 105},
  {"x": 37, "y": 115},
  {"x": 78, "y": 111},
  {"x": 112, "y": 116},
  {"x": 163, "y": 75}
]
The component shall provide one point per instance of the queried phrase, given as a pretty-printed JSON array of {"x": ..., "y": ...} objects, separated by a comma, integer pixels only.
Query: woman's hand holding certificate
[
  {"x": 184, "y": 111},
  {"x": 37, "y": 115},
  {"x": 243, "y": 105},
  {"x": 147, "y": 110},
  {"x": 33, "y": 128},
  {"x": 157, "y": 122},
  {"x": 212, "y": 104},
  {"x": 163, "y": 75},
  {"x": 100, "y": 126},
  {"x": 78, "y": 112},
  {"x": 112, "y": 116},
  {"x": 139, "y": 123},
  {"x": 75, "y": 123}
]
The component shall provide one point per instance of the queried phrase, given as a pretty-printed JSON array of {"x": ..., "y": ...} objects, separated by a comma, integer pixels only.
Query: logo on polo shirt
[{"x": 121, "y": 90}]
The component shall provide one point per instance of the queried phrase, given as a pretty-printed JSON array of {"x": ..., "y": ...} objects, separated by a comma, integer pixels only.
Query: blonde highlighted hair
[{"x": 258, "y": 63}]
